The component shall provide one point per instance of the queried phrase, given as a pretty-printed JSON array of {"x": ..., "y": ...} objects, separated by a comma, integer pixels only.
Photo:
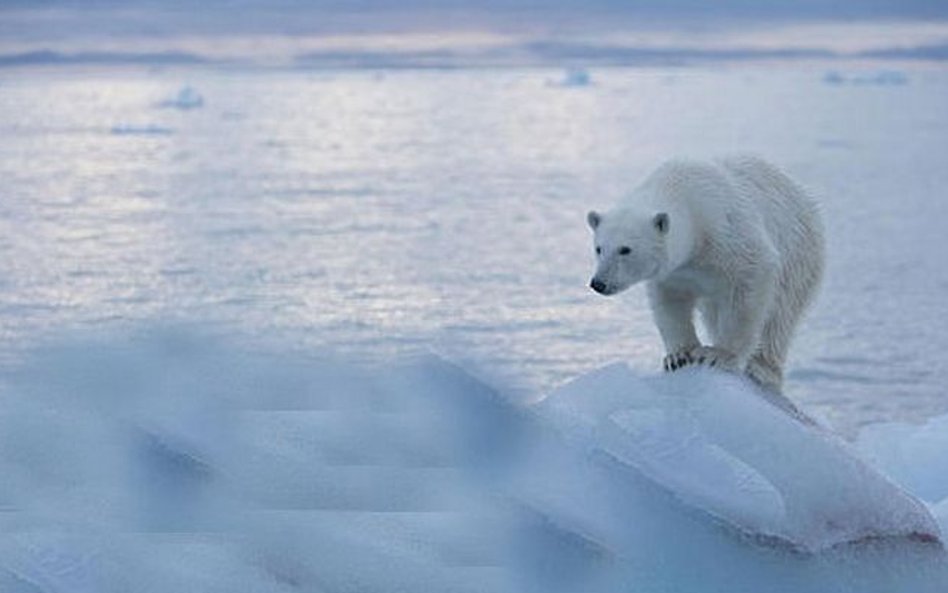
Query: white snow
[
  {"x": 173, "y": 462},
  {"x": 714, "y": 442}
]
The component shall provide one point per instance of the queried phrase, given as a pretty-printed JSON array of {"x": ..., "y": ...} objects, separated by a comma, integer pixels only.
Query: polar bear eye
[
  {"x": 598, "y": 250},
  {"x": 624, "y": 250}
]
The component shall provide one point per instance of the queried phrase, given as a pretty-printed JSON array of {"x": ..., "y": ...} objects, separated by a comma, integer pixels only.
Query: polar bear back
[
  {"x": 741, "y": 203},
  {"x": 790, "y": 216}
]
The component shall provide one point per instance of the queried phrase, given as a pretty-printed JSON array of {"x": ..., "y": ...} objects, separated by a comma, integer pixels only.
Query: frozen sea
[{"x": 178, "y": 246}]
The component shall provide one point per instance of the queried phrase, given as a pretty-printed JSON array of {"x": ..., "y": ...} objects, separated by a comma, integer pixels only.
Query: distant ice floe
[
  {"x": 187, "y": 98},
  {"x": 880, "y": 78},
  {"x": 141, "y": 130},
  {"x": 574, "y": 77}
]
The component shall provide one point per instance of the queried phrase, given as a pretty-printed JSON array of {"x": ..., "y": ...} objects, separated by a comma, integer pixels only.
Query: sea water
[{"x": 385, "y": 211}]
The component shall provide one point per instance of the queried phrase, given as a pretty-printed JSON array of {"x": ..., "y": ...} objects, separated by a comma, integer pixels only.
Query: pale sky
[{"x": 276, "y": 31}]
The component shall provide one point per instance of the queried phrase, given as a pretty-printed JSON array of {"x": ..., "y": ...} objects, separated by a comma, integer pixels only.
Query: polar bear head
[{"x": 630, "y": 247}]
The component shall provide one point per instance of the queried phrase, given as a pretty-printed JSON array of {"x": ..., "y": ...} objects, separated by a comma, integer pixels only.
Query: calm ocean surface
[{"x": 385, "y": 213}]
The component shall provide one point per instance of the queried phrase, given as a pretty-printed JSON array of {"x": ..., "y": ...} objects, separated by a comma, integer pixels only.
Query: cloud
[{"x": 457, "y": 32}]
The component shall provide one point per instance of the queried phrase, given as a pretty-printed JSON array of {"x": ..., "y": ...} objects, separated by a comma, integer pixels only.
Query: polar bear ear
[
  {"x": 593, "y": 218},
  {"x": 661, "y": 222}
]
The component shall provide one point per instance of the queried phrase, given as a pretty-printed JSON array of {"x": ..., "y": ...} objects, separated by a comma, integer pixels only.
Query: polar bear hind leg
[{"x": 766, "y": 365}]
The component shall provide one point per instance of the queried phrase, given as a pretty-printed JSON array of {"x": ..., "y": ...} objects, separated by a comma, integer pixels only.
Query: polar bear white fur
[{"x": 735, "y": 239}]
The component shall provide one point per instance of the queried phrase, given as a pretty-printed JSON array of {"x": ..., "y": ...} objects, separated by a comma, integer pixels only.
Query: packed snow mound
[
  {"x": 169, "y": 462},
  {"x": 715, "y": 442}
]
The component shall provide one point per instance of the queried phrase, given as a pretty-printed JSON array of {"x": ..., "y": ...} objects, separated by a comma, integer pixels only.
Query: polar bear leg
[
  {"x": 766, "y": 372},
  {"x": 792, "y": 299},
  {"x": 711, "y": 356},
  {"x": 674, "y": 316},
  {"x": 766, "y": 366},
  {"x": 742, "y": 316}
]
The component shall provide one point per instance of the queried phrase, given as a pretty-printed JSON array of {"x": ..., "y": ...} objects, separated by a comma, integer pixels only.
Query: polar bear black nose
[{"x": 598, "y": 285}]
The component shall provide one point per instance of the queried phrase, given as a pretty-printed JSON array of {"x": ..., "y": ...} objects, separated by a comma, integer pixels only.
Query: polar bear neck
[
  {"x": 681, "y": 242},
  {"x": 671, "y": 189}
]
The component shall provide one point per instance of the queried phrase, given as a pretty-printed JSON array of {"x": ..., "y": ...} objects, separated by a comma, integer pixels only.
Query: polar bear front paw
[
  {"x": 700, "y": 355},
  {"x": 677, "y": 360},
  {"x": 712, "y": 357}
]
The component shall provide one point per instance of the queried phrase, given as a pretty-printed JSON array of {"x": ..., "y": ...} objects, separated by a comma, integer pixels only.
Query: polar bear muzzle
[{"x": 598, "y": 285}]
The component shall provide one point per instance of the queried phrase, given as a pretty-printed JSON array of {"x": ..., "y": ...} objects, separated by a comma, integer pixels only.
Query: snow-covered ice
[
  {"x": 167, "y": 461},
  {"x": 718, "y": 445}
]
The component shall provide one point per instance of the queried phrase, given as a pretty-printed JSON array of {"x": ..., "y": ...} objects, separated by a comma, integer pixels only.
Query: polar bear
[{"x": 735, "y": 239}]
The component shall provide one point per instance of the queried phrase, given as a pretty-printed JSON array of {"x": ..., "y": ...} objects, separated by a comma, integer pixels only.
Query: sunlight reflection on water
[{"x": 404, "y": 210}]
